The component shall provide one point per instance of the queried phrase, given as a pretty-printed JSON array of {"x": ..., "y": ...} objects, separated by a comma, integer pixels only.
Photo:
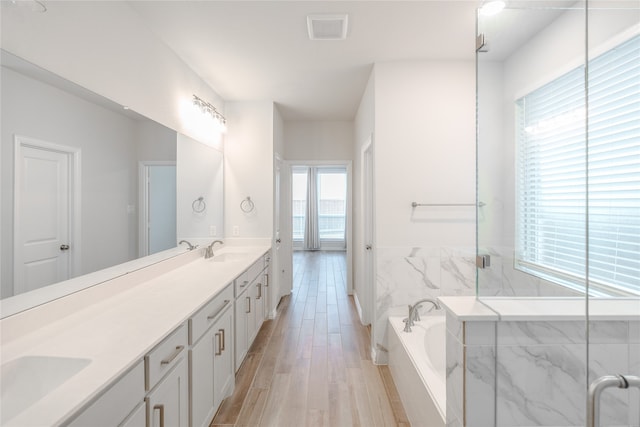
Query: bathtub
[{"x": 417, "y": 362}]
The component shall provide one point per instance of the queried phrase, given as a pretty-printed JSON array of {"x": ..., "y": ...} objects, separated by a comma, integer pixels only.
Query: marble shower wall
[
  {"x": 405, "y": 275},
  {"x": 502, "y": 279},
  {"x": 541, "y": 372}
]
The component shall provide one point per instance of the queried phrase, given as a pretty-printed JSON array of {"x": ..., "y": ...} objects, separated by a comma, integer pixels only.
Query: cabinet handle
[
  {"x": 249, "y": 300},
  {"x": 214, "y": 315},
  {"x": 173, "y": 356},
  {"x": 259, "y": 286},
  {"x": 219, "y": 350},
  {"x": 266, "y": 280},
  {"x": 223, "y": 340},
  {"x": 245, "y": 283},
  {"x": 161, "y": 409}
]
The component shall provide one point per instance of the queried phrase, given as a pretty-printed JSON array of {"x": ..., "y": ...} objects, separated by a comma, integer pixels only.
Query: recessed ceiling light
[{"x": 327, "y": 27}]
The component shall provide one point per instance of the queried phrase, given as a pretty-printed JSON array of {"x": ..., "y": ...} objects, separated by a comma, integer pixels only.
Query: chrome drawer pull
[
  {"x": 248, "y": 299},
  {"x": 259, "y": 286},
  {"x": 173, "y": 356},
  {"x": 223, "y": 340},
  {"x": 213, "y": 316}
]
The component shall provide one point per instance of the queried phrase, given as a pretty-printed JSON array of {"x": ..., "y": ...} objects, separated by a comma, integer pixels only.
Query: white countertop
[
  {"x": 117, "y": 331},
  {"x": 541, "y": 309}
]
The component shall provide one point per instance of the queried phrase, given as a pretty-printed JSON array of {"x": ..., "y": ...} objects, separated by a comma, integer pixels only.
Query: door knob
[
  {"x": 368, "y": 247},
  {"x": 278, "y": 240},
  {"x": 64, "y": 247}
]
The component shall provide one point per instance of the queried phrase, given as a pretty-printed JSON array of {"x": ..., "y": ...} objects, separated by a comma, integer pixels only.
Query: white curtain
[{"x": 311, "y": 231}]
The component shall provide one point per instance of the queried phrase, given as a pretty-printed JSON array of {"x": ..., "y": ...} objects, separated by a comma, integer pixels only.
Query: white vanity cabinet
[
  {"x": 211, "y": 373},
  {"x": 249, "y": 308},
  {"x": 167, "y": 381},
  {"x": 119, "y": 405}
]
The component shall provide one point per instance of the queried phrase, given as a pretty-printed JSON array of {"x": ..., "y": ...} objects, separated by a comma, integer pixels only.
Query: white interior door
[
  {"x": 161, "y": 208},
  {"x": 42, "y": 241},
  {"x": 368, "y": 237}
]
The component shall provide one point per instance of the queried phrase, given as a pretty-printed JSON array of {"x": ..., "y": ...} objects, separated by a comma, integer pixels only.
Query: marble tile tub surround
[
  {"x": 502, "y": 279},
  {"x": 526, "y": 372},
  {"x": 407, "y": 274}
]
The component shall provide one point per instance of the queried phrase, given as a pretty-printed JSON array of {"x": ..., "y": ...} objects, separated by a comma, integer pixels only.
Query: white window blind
[{"x": 559, "y": 176}]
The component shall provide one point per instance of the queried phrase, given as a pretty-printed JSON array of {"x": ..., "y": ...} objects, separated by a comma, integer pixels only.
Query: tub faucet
[
  {"x": 208, "y": 252},
  {"x": 414, "y": 315},
  {"x": 190, "y": 247}
]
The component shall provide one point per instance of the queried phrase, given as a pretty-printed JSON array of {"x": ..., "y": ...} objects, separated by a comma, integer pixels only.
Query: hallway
[{"x": 311, "y": 365}]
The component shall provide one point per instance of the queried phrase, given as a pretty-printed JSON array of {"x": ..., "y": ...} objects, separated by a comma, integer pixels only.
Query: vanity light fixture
[
  {"x": 208, "y": 109},
  {"x": 492, "y": 8}
]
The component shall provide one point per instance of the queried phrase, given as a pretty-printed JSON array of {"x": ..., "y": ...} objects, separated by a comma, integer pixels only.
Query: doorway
[
  {"x": 157, "y": 206},
  {"x": 320, "y": 209},
  {"x": 46, "y": 213}
]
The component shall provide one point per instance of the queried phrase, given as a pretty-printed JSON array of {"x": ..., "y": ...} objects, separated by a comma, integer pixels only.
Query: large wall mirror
[{"x": 88, "y": 185}]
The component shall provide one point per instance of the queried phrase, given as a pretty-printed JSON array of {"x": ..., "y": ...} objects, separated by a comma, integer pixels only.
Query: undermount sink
[
  {"x": 230, "y": 256},
  {"x": 26, "y": 380}
]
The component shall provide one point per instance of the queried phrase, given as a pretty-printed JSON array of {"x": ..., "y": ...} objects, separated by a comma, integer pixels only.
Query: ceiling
[{"x": 260, "y": 50}]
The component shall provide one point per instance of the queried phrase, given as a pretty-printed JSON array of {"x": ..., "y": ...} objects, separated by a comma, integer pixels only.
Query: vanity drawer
[
  {"x": 245, "y": 279},
  {"x": 241, "y": 282},
  {"x": 164, "y": 356},
  {"x": 207, "y": 315},
  {"x": 255, "y": 270}
]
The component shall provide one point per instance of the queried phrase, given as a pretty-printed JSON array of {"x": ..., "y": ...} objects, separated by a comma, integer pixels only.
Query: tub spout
[{"x": 414, "y": 315}]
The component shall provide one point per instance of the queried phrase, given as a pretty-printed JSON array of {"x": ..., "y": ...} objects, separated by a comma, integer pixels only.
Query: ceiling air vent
[{"x": 327, "y": 27}]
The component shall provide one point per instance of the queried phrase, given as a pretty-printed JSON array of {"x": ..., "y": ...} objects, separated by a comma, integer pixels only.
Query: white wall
[
  {"x": 104, "y": 47},
  {"x": 199, "y": 173},
  {"x": 109, "y": 168},
  {"x": 318, "y": 140},
  {"x": 424, "y": 152},
  {"x": 248, "y": 149}
]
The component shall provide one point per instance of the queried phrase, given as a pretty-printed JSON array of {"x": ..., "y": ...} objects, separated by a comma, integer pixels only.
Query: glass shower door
[
  {"x": 558, "y": 219},
  {"x": 613, "y": 251}
]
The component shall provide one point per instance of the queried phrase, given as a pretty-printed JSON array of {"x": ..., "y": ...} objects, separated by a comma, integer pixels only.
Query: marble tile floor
[{"x": 311, "y": 365}]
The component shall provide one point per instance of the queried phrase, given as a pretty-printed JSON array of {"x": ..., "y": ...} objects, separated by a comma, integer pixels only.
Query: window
[
  {"x": 299, "y": 202},
  {"x": 554, "y": 185},
  {"x": 321, "y": 193},
  {"x": 332, "y": 203}
]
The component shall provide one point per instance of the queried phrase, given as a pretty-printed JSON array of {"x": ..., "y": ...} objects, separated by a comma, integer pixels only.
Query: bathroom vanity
[{"x": 156, "y": 347}]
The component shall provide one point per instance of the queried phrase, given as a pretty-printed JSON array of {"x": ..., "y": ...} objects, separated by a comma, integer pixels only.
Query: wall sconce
[{"x": 209, "y": 110}]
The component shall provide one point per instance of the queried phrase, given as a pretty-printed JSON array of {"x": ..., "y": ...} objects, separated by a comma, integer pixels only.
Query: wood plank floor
[{"x": 311, "y": 365}]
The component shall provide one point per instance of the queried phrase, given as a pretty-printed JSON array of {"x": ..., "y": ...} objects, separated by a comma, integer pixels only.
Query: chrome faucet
[
  {"x": 208, "y": 252},
  {"x": 190, "y": 247},
  {"x": 414, "y": 315}
]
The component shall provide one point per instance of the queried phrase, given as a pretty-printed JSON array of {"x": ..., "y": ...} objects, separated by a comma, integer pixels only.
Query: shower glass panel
[
  {"x": 531, "y": 150},
  {"x": 558, "y": 192},
  {"x": 613, "y": 206}
]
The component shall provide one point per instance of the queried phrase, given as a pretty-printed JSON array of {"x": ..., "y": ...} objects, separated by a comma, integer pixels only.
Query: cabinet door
[
  {"x": 138, "y": 418},
  {"x": 167, "y": 404},
  {"x": 251, "y": 314},
  {"x": 258, "y": 302},
  {"x": 223, "y": 373},
  {"x": 201, "y": 379},
  {"x": 241, "y": 311}
]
